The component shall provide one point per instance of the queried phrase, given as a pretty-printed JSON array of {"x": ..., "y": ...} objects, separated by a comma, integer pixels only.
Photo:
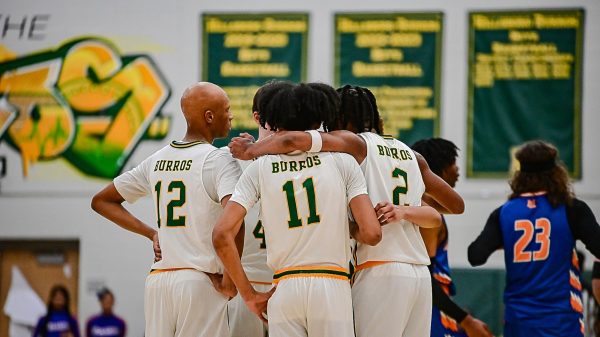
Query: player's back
[
  {"x": 542, "y": 278},
  {"x": 185, "y": 211},
  {"x": 392, "y": 174},
  {"x": 304, "y": 210}
]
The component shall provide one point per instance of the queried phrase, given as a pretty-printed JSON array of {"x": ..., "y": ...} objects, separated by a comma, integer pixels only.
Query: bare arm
[
  {"x": 288, "y": 141},
  {"x": 109, "y": 203},
  {"x": 366, "y": 228},
  {"x": 448, "y": 201},
  {"x": 224, "y": 240},
  {"x": 430, "y": 237},
  {"x": 422, "y": 216}
]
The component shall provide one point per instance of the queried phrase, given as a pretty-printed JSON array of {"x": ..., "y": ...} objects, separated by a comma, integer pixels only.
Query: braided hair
[
  {"x": 438, "y": 152},
  {"x": 358, "y": 110},
  {"x": 297, "y": 108}
]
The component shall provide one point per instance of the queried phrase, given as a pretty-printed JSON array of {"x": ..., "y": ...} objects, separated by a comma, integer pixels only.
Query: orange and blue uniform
[{"x": 543, "y": 292}]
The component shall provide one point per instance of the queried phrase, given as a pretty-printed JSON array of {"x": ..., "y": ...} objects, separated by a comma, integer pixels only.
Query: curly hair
[
  {"x": 438, "y": 152},
  {"x": 297, "y": 107},
  {"x": 359, "y": 109},
  {"x": 541, "y": 170}
]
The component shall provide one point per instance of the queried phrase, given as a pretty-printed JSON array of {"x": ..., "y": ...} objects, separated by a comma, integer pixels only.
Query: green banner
[
  {"x": 524, "y": 84},
  {"x": 240, "y": 52},
  {"x": 397, "y": 56}
]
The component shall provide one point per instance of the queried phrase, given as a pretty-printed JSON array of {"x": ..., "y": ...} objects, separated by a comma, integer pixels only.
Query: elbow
[
  {"x": 96, "y": 203},
  {"x": 458, "y": 207},
  {"x": 219, "y": 239},
  {"x": 474, "y": 260},
  {"x": 373, "y": 238}
]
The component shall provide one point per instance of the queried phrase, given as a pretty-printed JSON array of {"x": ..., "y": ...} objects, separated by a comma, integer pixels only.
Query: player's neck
[{"x": 197, "y": 137}]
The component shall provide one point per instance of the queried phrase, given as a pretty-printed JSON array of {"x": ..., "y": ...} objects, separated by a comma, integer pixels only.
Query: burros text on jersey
[
  {"x": 295, "y": 165},
  {"x": 173, "y": 165},
  {"x": 394, "y": 152}
]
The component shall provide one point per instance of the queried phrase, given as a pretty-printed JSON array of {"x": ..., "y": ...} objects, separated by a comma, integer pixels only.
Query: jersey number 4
[
  {"x": 178, "y": 200},
  {"x": 295, "y": 220},
  {"x": 542, "y": 238}
]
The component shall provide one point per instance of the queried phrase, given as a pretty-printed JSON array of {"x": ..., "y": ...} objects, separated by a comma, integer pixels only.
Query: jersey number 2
[
  {"x": 398, "y": 173},
  {"x": 175, "y": 202},
  {"x": 543, "y": 238}
]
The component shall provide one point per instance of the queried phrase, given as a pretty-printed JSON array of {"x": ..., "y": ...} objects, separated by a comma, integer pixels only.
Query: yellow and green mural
[{"x": 84, "y": 102}]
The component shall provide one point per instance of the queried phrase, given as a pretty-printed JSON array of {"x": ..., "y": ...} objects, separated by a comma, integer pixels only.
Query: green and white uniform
[
  {"x": 187, "y": 182},
  {"x": 392, "y": 289},
  {"x": 304, "y": 212}
]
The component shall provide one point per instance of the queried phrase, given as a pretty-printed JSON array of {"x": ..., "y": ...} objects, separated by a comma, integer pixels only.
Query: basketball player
[
  {"x": 537, "y": 227},
  {"x": 392, "y": 281},
  {"x": 242, "y": 322},
  {"x": 304, "y": 210},
  {"x": 189, "y": 180},
  {"x": 447, "y": 317}
]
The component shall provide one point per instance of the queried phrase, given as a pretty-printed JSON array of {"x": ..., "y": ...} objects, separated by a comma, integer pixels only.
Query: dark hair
[
  {"x": 103, "y": 292},
  {"x": 50, "y": 309},
  {"x": 332, "y": 102},
  {"x": 548, "y": 173},
  {"x": 267, "y": 90},
  {"x": 297, "y": 108},
  {"x": 438, "y": 152},
  {"x": 359, "y": 108}
]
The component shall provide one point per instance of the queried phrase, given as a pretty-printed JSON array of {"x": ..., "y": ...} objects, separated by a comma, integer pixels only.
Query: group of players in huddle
[{"x": 331, "y": 232}]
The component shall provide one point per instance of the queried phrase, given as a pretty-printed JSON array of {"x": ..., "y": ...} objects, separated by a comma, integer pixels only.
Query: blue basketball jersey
[
  {"x": 542, "y": 271},
  {"x": 442, "y": 325},
  {"x": 441, "y": 267}
]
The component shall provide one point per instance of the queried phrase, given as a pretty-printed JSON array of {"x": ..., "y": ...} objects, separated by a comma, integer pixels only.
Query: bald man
[{"x": 189, "y": 180}]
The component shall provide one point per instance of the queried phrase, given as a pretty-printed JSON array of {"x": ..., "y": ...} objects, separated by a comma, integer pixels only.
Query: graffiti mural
[{"x": 83, "y": 102}]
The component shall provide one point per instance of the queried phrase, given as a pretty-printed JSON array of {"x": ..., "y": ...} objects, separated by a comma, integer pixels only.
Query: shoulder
[{"x": 92, "y": 319}]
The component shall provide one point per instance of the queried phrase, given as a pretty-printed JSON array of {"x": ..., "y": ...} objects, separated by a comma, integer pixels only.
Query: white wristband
[{"x": 317, "y": 142}]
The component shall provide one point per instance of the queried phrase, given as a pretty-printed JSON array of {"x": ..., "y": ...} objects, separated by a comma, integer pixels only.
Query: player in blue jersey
[
  {"x": 106, "y": 324},
  {"x": 58, "y": 321},
  {"x": 537, "y": 228},
  {"x": 447, "y": 319}
]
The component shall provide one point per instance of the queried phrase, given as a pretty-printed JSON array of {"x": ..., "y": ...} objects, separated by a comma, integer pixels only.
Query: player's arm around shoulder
[{"x": 449, "y": 201}]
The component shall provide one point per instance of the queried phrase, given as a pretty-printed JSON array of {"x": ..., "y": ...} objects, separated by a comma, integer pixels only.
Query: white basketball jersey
[
  {"x": 304, "y": 208},
  {"x": 186, "y": 214},
  {"x": 254, "y": 257},
  {"x": 392, "y": 174}
]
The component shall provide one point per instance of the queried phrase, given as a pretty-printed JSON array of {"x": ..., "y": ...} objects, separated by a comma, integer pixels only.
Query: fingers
[{"x": 247, "y": 136}]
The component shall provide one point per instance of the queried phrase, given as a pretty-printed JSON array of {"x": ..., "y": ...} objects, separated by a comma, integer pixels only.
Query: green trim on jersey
[
  {"x": 182, "y": 145},
  {"x": 310, "y": 271}
]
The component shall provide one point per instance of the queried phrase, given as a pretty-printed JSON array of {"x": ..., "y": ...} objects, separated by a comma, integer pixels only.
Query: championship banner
[
  {"x": 524, "y": 84},
  {"x": 240, "y": 52},
  {"x": 398, "y": 57}
]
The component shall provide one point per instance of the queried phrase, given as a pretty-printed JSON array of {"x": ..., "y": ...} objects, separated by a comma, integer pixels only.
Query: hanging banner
[
  {"x": 398, "y": 57},
  {"x": 525, "y": 71},
  {"x": 240, "y": 52}
]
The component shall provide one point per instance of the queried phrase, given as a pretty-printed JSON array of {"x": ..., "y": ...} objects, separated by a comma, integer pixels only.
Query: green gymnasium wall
[{"x": 479, "y": 291}]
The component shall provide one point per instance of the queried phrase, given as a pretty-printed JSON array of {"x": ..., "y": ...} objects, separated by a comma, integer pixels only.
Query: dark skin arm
[
  {"x": 366, "y": 228},
  {"x": 109, "y": 203},
  {"x": 223, "y": 237},
  {"x": 447, "y": 200}
]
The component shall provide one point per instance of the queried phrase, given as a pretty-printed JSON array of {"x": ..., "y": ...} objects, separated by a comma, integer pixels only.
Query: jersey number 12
[{"x": 177, "y": 201}]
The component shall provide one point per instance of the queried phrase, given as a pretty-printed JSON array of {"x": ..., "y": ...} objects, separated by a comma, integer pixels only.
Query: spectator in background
[
  {"x": 106, "y": 324},
  {"x": 58, "y": 321}
]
